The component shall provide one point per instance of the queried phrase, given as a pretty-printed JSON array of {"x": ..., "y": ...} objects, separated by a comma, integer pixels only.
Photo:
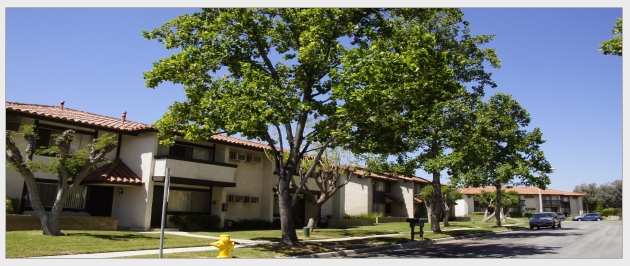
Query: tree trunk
[
  {"x": 436, "y": 212},
  {"x": 489, "y": 216},
  {"x": 485, "y": 214},
  {"x": 289, "y": 236},
  {"x": 503, "y": 216},
  {"x": 427, "y": 204},
  {"x": 447, "y": 213},
  {"x": 313, "y": 215},
  {"x": 497, "y": 215}
]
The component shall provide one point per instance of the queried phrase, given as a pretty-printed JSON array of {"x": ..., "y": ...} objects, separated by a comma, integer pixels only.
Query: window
[
  {"x": 47, "y": 139},
  {"x": 379, "y": 186},
  {"x": 190, "y": 152},
  {"x": 48, "y": 194},
  {"x": 188, "y": 201},
  {"x": 529, "y": 196},
  {"x": 378, "y": 207},
  {"x": 416, "y": 189}
]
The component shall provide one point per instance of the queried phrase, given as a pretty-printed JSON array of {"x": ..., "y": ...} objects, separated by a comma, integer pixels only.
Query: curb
[{"x": 344, "y": 253}]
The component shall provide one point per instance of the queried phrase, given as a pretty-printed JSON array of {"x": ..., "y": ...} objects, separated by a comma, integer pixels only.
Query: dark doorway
[
  {"x": 99, "y": 200},
  {"x": 156, "y": 209},
  {"x": 299, "y": 212}
]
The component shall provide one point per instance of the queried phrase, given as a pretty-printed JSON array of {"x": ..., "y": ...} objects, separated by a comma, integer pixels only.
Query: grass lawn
[{"x": 21, "y": 244}]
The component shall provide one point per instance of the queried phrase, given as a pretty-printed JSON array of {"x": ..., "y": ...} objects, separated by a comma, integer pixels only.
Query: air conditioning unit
[
  {"x": 238, "y": 156},
  {"x": 254, "y": 200},
  {"x": 239, "y": 198},
  {"x": 254, "y": 159}
]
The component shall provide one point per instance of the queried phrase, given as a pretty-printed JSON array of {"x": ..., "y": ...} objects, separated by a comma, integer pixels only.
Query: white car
[{"x": 561, "y": 216}]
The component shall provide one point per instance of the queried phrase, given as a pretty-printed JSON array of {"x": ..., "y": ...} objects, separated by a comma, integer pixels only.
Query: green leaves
[{"x": 614, "y": 45}]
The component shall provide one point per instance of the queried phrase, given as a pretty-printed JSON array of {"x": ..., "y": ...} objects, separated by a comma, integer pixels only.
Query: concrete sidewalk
[{"x": 246, "y": 243}]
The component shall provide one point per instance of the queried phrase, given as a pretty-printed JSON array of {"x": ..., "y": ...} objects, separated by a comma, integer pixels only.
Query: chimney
[
  {"x": 62, "y": 102},
  {"x": 124, "y": 116}
]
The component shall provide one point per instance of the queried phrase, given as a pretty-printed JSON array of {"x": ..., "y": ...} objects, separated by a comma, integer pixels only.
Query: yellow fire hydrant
[{"x": 224, "y": 245}]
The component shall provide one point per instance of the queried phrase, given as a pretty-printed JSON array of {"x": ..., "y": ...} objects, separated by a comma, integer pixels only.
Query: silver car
[
  {"x": 544, "y": 219},
  {"x": 561, "y": 216}
]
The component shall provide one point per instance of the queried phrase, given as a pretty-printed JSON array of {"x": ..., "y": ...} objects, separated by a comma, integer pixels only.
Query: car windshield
[{"x": 541, "y": 215}]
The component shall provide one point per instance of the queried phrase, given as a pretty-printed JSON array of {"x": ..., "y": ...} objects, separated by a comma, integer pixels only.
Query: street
[{"x": 575, "y": 240}]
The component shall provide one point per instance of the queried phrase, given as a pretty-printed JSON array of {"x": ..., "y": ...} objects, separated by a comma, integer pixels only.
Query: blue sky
[{"x": 93, "y": 59}]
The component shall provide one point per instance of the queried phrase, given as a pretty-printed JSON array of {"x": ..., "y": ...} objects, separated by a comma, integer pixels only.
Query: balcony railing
[
  {"x": 552, "y": 203},
  {"x": 208, "y": 171}
]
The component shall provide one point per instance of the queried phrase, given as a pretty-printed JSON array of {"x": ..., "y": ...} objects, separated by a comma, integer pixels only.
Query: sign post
[{"x": 167, "y": 182}]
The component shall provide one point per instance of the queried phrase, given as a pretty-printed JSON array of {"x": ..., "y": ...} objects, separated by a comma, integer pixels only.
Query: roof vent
[
  {"x": 124, "y": 116},
  {"x": 62, "y": 102}
]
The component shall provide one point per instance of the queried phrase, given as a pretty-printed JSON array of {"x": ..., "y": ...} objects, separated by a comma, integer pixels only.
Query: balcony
[
  {"x": 552, "y": 203},
  {"x": 194, "y": 171}
]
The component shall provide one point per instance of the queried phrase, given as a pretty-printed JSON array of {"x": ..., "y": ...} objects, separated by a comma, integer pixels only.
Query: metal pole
[{"x": 167, "y": 182}]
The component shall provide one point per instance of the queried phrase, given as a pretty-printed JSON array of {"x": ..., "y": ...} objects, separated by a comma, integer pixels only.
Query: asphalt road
[{"x": 575, "y": 240}]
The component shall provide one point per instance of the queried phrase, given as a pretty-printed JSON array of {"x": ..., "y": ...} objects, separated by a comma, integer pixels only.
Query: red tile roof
[
  {"x": 76, "y": 116},
  {"x": 520, "y": 190},
  {"x": 91, "y": 119},
  {"x": 115, "y": 172}
]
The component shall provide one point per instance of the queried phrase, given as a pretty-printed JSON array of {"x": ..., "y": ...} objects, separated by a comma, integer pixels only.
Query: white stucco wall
[
  {"x": 403, "y": 191},
  {"x": 133, "y": 209},
  {"x": 357, "y": 197},
  {"x": 253, "y": 180}
]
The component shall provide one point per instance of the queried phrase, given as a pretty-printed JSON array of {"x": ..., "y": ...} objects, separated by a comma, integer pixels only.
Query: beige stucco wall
[
  {"x": 464, "y": 206},
  {"x": 358, "y": 197},
  {"x": 403, "y": 191},
  {"x": 133, "y": 208},
  {"x": 253, "y": 180}
]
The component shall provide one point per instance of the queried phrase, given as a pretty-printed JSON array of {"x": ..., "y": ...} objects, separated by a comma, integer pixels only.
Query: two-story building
[
  {"x": 225, "y": 176},
  {"x": 530, "y": 200}
]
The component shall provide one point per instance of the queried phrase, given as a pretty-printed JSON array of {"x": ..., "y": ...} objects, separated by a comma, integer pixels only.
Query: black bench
[{"x": 417, "y": 221}]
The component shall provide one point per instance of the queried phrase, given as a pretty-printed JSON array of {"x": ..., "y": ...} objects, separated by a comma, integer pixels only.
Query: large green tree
[
  {"x": 590, "y": 200},
  {"x": 614, "y": 45},
  {"x": 423, "y": 137},
  {"x": 284, "y": 68},
  {"x": 67, "y": 165},
  {"x": 499, "y": 151}
]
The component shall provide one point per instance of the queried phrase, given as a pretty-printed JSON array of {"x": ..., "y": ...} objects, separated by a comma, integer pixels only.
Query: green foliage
[
  {"x": 528, "y": 215},
  {"x": 368, "y": 216},
  {"x": 205, "y": 221},
  {"x": 614, "y": 45},
  {"x": 12, "y": 205},
  {"x": 499, "y": 151},
  {"x": 478, "y": 213},
  {"x": 516, "y": 214},
  {"x": 610, "y": 211}
]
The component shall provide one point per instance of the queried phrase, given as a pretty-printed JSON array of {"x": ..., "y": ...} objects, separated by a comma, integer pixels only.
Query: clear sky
[{"x": 93, "y": 59}]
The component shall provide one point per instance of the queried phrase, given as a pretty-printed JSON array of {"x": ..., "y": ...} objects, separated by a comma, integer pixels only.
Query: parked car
[
  {"x": 561, "y": 216},
  {"x": 545, "y": 219},
  {"x": 588, "y": 217}
]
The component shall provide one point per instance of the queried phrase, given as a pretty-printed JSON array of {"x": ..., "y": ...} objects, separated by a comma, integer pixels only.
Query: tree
[
  {"x": 68, "y": 166},
  {"x": 423, "y": 137},
  {"x": 590, "y": 200},
  {"x": 613, "y": 46},
  {"x": 610, "y": 194},
  {"x": 335, "y": 68},
  {"x": 499, "y": 151},
  {"x": 508, "y": 199},
  {"x": 450, "y": 196},
  {"x": 333, "y": 172}
]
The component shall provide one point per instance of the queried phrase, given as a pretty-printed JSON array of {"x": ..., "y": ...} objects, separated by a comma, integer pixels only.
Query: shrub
[
  {"x": 12, "y": 206},
  {"x": 611, "y": 211},
  {"x": 368, "y": 216},
  {"x": 205, "y": 221},
  {"x": 255, "y": 224},
  {"x": 516, "y": 214},
  {"x": 478, "y": 213},
  {"x": 528, "y": 215}
]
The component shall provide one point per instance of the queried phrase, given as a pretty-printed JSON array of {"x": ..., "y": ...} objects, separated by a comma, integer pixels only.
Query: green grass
[{"x": 21, "y": 244}]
